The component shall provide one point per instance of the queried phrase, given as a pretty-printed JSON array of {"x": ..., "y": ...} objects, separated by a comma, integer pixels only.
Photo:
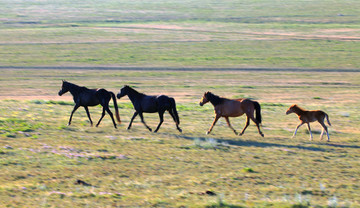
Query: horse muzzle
[
  {"x": 201, "y": 104},
  {"x": 119, "y": 96}
]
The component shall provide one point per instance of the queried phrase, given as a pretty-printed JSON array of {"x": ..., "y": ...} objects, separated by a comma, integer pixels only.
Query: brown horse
[
  {"x": 306, "y": 116},
  {"x": 233, "y": 108}
]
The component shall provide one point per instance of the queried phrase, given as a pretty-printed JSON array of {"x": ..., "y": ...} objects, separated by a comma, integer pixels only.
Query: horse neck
[
  {"x": 215, "y": 100},
  {"x": 298, "y": 110},
  {"x": 133, "y": 94},
  {"x": 74, "y": 89}
]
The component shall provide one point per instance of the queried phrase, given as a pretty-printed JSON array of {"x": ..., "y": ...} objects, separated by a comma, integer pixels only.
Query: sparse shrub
[
  {"x": 299, "y": 206},
  {"x": 248, "y": 170},
  {"x": 333, "y": 202},
  {"x": 10, "y": 126},
  {"x": 317, "y": 98},
  {"x": 210, "y": 143}
]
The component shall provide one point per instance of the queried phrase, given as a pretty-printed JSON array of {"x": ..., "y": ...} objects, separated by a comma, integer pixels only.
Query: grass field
[
  {"x": 236, "y": 34},
  {"x": 275, "y": 52},
  {"x": 42, "y": 158}
]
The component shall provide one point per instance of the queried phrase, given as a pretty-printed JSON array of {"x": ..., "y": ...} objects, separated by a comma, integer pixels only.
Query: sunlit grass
[{"x": 44, "y": 158}]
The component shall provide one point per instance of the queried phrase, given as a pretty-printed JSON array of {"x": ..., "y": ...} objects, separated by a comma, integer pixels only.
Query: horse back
[
  {"x": 93, "y": 97},
  {"x": 230, "y": 108},
  {"x": 148, "y": 104},
  {"x": 313, "y": 115}
]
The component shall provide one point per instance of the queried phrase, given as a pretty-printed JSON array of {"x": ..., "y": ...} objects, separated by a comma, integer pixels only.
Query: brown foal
[{"x": 306, "y": 116}]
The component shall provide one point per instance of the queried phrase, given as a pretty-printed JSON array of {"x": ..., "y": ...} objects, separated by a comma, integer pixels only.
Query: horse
[
  {"x": 306, "y": 116},
  {"x": 90, "y": 97},
  {"x": 150, "y": 104},
  {"x": 226, "y": 108}
]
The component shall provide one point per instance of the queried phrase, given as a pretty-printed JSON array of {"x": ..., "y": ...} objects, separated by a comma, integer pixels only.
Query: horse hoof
[
  {"x": 180, "y": 130},
  {"x": 208, "y": 132}
]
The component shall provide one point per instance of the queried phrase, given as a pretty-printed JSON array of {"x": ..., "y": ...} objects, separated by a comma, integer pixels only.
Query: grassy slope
[
  {"x": 299, "y": 34},
  {"x": 41, "y": 158}
]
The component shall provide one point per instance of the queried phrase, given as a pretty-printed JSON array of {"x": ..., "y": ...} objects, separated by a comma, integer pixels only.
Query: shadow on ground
[{"x": 250, "y": 143}]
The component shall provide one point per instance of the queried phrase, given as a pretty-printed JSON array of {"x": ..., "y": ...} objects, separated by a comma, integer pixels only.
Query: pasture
[
  {"x": 42, "y": 158},
  {"x": 277, "y": 53}
]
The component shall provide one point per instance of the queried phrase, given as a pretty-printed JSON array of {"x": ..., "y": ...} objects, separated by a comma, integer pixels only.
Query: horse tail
[
  {"x": 258, "y": 111},
  {"x": 327, "y": 119},
  {"x": 174, "y": 111},
  {"x": 117, "y": 115}
]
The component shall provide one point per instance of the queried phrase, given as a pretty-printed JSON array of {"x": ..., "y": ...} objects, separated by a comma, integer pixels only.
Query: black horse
[
  {"x": 150, "y": 104},
  {"x": 90, "y": 97}
]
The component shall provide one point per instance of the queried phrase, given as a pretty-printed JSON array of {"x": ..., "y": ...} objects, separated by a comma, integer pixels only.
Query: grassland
[
  {"x": 275, "y": 52},
  {"x": 236, "y": 34},
  {"x": 42, "y": 158}
]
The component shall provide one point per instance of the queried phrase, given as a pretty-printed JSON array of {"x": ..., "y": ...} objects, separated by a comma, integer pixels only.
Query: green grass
[
  {"x": 236, "y": 34},
  {"x": 43, "y": 158},
  {"x": 307, "y": 53}
]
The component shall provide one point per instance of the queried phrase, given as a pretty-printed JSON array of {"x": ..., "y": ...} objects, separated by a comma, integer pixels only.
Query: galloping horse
[
  {"x": 150, "y": 104},
  {"x": 90, "y": 97},
  {"x": 233, "y": 108},
  {"x": 306, "y": 116}
]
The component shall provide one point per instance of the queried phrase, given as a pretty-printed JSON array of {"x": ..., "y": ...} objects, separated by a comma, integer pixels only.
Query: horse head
[
  {"x": 123, "y": 91},
  {"x": 292, "y": 109},
  {"x": 204, "y": 99},
  {"x": 64, "y": 88}
]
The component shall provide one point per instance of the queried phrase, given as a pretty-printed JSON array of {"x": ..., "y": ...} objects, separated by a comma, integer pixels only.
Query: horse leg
[
  {"x": 111, "y": 115},
  {"x": 132, "y": 119},
  {"x": 311, "y": 136},
  {"x": 246, "y": 125},
  {"x": 213, "y": 124},
  {"x": 297, "y": 127},
  {"x": 228, "y": 123},
  {"x": 72, "y": 112},
  {"x": 161, "y": 116},
  {"x": 326, "y": 129},
  {"x": 257, "y": 125},
  {"x": 102, "y": 116},
  {"x": 173, "y": 116},
  {"x": 88, "y": 114},
  {"x": 142, "y": 120}
]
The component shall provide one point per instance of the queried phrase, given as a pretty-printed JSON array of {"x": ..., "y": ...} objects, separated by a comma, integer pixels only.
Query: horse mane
[
  {"x": 297, "y": 108},
  {"x": 214, "y": 99},
  {"x": 74, "y": 86},
  {"x": 133, "y": 90}
]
